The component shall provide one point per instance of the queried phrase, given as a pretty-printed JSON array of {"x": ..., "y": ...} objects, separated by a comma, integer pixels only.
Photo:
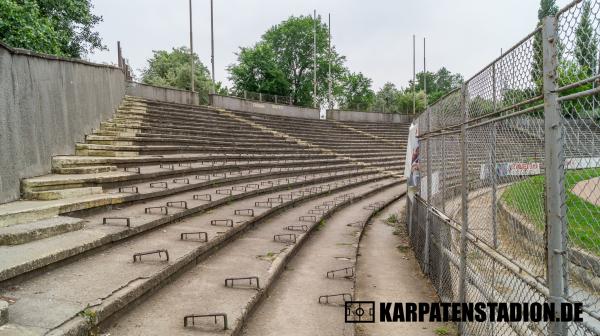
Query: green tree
[
  {"x": 23, "y": 26},
  {"x": 282, "y": 62},
  {"x": 172, "y": 69},
  {"x": 59, "y": 27},
  {"x": 547, "y": 8},
  {"x": 386, "y": 98},
  {"x": 438, "y": 83},
  {"x": 586, "y": 44},
  {"x": 356, "y": 93}
]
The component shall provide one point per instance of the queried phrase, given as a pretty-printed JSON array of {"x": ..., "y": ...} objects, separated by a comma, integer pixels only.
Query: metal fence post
[
  {"x": 554, "y": 177},
  {"x": 464, "y": 203},
  {"x": 429, "y": 198},
  {"x": 443, "y": 179},
  {"x": 245, "y": 94},
  {"x": 260, "y": 97},
  {"x": 493, "y": 164}
]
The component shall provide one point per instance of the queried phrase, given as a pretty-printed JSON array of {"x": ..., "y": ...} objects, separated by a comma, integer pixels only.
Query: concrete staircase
[{"x": 157, "y": 173}]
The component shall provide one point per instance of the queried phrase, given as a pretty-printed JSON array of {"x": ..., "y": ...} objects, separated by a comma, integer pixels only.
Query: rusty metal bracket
[
  {"x": 222, "y": 222},
  {"x": 194, "y": 317},
  {"x": 263, "y": 204},
  {"x": 133, "y": 190},
  {"x": 203, "y": 177},
  {"x": 231, "y": 281},
  {"x": 308, "y": 219},
  {"x": 205, "y": 197},
  {"x": 252, "y": 186},
  {"x": 223, "y": 191},
  {"x": 324, "y": 299},
  {"x": 163, "y": 185},
  {"x": 348, "y": 272},
  {"x": 178, "y": 204},
  {"x": 302, "y": 228},
  {"x": 285, "y": 238},
  {"x": 184, "y": 180},
  {"x": 127, "y": 220},
  {"x": 132, "y": 170},
  {"x": 185, "y": 164},
  {"x": 275, "y": 200},
  {"x": 167, "y": 166},
  {"x": 138, "y": 256},
  {"x": 164, "y": 209},
  {"x": 201, "y": 234},
  {"x": 244, "y": 212}
]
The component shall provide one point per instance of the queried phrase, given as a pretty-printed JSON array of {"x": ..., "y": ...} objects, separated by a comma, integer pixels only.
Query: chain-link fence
[
  {"x": 508, "y": 204},
  {"x": 263, "y": 97}
]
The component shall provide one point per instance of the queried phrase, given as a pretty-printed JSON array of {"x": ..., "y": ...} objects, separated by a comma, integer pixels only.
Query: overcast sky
[{"x": 375, "y": 35}]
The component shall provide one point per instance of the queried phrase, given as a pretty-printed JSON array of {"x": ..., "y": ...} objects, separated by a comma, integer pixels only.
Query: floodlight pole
[
  {"x": 191, "y": 48},
  {"x": 212, "y": 47},
  {"x": 315, "y": 60},
  {"x": 414, "y": 83},
  {"x": 425, "y": 72},
  {"x": 330, "y": 79}
]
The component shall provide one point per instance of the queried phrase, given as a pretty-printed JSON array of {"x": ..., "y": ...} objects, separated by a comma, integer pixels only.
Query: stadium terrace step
[
  {"x": 189, "y": 170},
  {"x": 21, "y": 234},
  {"x": 25, "y": 211},
  {"x": 110, "y": 224},
  {"x": 122, "y": 281},
  {"x": 84, "y": 169}
]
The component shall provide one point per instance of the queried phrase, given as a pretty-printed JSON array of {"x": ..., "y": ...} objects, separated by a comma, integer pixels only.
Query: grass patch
[
  {"x": 446, "y": 330},
  {"x": 321, "y": 225},
  {"x": 392, "y": 219},
  {"x": 582, "y": 217},
  {"x": 270, "y": 256}
]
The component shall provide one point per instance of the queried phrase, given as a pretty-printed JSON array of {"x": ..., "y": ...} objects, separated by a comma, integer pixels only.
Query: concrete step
[
  {"x": 129, "y": 175},
  {"x": 55, "y": 194},
  {"x": 32, "y": 231},
  {"x": 84, "y": 169},
  {"x": 59, "y": 162},
  {"x": 25, "y": 258},
  {"x": 123, "y": 282}
]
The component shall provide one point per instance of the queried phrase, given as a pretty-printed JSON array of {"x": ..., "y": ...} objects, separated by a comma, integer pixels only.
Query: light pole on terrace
[
  {"x": 212, "y": 47},
  {"x": 192, "y": 65}
]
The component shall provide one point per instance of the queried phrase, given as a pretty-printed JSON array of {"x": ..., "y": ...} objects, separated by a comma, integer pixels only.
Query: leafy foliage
[
  {"x": 172, "y": 69},
  {"x": 355, "y": 92},
  {"x": 281, "y": 63},
  {"x": 547, "y": 8},
  {"x": 59, "y": 27},
  {"x": 586, "y": 44}
]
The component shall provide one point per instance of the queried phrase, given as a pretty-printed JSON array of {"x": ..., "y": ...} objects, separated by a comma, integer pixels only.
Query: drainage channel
[
  {"x": 319, "y": 279},
  {"x": 225, "y": 283}
]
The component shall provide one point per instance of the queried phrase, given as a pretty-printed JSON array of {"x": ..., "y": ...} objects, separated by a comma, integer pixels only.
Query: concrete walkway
[
  {"x": 388, "y": 272},
  {"x": 292, "y": 307}
]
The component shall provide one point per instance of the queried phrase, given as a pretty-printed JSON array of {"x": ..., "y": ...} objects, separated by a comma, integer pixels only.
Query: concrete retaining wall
[
  {"x": 47, "y": 104},
  {"x": 163, "y": 94},
  {"x": 244, "y": 105},
  {"x": 374, "y": 117}
]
